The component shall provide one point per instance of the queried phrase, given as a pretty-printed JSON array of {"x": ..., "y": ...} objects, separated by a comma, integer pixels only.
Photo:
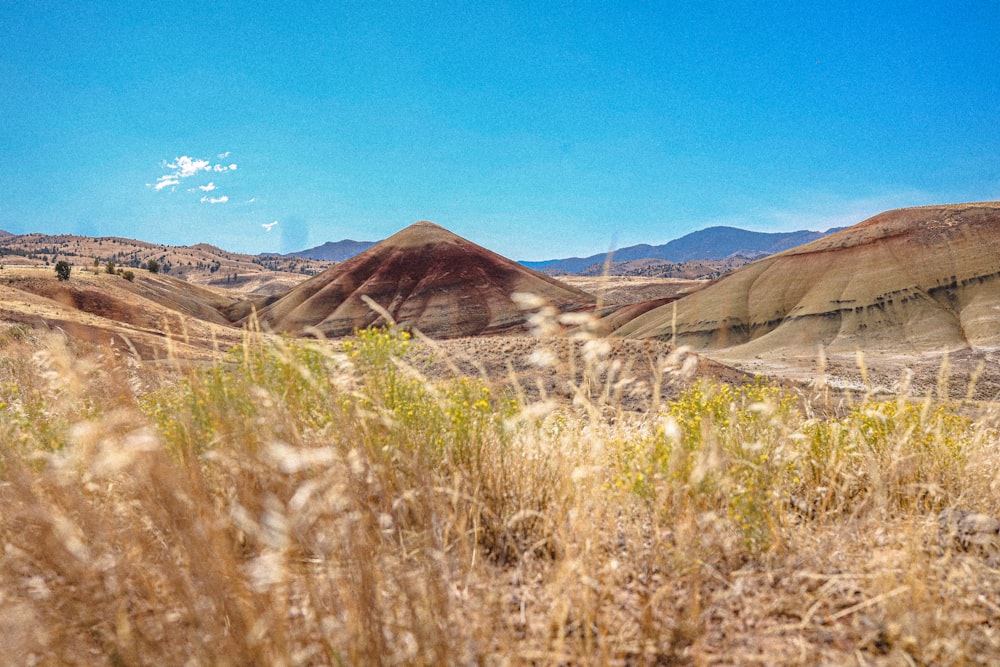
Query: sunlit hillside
[{"x": 201, "y": 264}]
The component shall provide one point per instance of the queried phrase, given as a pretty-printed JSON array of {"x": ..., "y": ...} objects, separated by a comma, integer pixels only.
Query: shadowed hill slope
[
  {"x": 425, "y": 277},
  {"x": 909, "y": 280}
]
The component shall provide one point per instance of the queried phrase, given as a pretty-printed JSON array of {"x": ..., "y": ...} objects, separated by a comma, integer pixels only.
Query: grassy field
[{"x": 306, "y": 503}]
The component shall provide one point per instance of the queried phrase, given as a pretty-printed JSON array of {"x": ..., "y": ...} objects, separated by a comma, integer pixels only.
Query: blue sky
[{"x": 536, "y": 129}]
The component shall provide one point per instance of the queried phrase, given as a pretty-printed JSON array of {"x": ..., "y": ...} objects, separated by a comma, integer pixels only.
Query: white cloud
[
  {"x": 164, "y": 182},
  {"x": 185, "y": 166},
  {"x": 251, "y": 200},
  {"x": 269, "y": 225}
]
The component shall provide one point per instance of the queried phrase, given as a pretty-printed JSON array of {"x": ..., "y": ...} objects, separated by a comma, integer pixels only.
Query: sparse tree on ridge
[
  {"x": 153, "y": 266},
  {"x": 63, "y": 269}
]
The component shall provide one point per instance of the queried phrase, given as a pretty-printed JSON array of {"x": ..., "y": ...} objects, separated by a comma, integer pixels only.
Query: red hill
[{"x": 425, "y": 277}]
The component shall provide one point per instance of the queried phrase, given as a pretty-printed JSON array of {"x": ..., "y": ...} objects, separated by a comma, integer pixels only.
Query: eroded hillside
[
  {"x": 910, "y": 280},
  {"x": 424, "y": 277}
]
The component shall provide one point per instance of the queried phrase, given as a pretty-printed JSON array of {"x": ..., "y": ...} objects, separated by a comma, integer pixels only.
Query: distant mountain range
[
  {"x": 334, "y": 251},
  {"x": 712, "y": 243}
]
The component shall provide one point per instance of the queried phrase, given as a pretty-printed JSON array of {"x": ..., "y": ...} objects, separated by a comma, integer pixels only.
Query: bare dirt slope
[
  {"x": 154, "y": 315},
  {"x": 906, "y": 281},
  {"x": 425, "y": 277}
]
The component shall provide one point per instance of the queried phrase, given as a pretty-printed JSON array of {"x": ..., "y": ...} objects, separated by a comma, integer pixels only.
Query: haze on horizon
[{"x": 538, "y": 130}]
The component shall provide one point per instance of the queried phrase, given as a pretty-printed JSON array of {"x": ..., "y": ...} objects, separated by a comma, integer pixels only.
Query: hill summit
[{"x": 425, "y": 277}]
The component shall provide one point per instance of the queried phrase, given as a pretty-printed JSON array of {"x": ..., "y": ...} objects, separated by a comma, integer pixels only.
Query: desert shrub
[
  {"x": 750, "y": 453},
  {"x": 718, "y": 448},
  {"x": 887, "y": 455},
  {"x": 368, "y": 404},
  {"x": 63, "y": 269}
]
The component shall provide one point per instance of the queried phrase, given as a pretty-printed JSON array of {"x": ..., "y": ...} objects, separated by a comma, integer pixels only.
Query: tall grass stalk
[{"x": 309, "y": 503}]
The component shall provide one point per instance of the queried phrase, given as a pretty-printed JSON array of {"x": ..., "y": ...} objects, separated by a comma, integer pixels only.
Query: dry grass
[{"x": 312, "y": 504}]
